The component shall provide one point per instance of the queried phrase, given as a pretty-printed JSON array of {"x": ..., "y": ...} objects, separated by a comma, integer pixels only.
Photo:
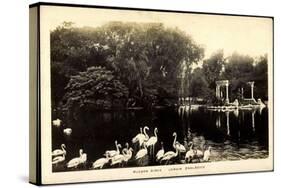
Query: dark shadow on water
[{"x": 233, "y": 136}]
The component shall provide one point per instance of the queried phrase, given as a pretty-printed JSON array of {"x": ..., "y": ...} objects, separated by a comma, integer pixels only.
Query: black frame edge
[
  {"x": 38, "y": 111},
  {"x": 140, "y": 9}
]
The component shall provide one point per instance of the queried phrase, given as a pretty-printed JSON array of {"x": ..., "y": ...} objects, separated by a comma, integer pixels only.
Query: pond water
[{"x": 234, "y": 135}]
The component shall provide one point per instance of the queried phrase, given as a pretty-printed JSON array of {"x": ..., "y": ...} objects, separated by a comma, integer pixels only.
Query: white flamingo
[
  {"x": 177, "y": 145},
  {"x": 99, "y": 163},
  {"x": 125, "y": 150},
  {"x": 83, "y": 158},
  {"x": 128, "y": 155},
  {"x": 168, "y": 156},
  {"x": 112, "y": 153},
  {"x": 138, "y": 136},
  {"x": 190, "y": 153},
  {"x": 141, "y": 153},
  {"x": 58, "y": 159},
  {"x": 152, "y": 141},
  {"x": 160, "y": 153},
  {"x": 207, "y": 154},
  {"x": 142, "y": 138},
  {"x": 145, "y": 138},
  {"x": 57, "y": 122},
  {"x": 67, "y": 131},
  {"x": 59, "y": 151},
  {"x": 117, "y": 159},
  {"x": 198, "y": 153},
  {"x": 73, "y": 163}
]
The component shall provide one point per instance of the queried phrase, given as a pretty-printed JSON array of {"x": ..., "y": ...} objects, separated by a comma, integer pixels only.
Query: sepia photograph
[{"x": 136, "y": 88}]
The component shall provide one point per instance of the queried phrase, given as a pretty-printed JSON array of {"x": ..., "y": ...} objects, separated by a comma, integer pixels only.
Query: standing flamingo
[
  {"x": 73, "y": 163},
  {"x": 117, "y": 159},
  {"x": 152, "y": 141},
  {"x": 207, "y": 154},
  {"x": 58, "y": 159},
  {"x": 177, "y": 145},
  {"x": 83, "y": 159},
  {"x": 168, "y": 156},
  {"x": 190, "y": 153},
  {"x": 112, "y": 153},
  {"x": 160, "y": 153},
  {"x": 144, "y": 138},
  {"x": 59, "y": 151},
  {"x": 141, "y": 153},
  {"x": 138, "y": 136},
  {"x": 125, "y": 150},
  {"x": 128, "y": 155},
  {"x": 101, "y": 162}
]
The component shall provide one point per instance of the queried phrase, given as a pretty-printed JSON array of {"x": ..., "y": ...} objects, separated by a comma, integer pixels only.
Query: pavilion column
[
  {"x": 252, "y": 90},
  {"x": 218, "y": 92},
  {"x": 226, "y": 91}
]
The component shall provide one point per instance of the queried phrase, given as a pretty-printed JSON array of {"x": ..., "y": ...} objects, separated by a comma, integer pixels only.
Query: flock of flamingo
[{"x": 145, "y": 148}]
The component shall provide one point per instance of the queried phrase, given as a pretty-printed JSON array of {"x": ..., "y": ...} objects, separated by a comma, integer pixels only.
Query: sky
[{"x": 244, "y": 35}]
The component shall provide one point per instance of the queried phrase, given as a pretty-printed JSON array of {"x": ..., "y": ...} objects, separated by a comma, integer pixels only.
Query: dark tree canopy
[
  {"x": 146, "y": 63},
  {"x": 97, "y": 87},
  {"x": 146, "y": 58},
  {"x": 213, "y": 67}
]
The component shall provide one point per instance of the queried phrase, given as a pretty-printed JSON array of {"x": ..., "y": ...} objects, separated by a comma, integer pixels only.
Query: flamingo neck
[
  {"x": 144, "y": 130},
  {"x": 63, "y": 147},
  {"x": 116, "y": 145},
  {"x": 191, "y": 146},
  {"x": 144, "y": 146},
  {"x": 155, "y": 132},
  {"x": 175, "y": 139},
  {"x": 177, "y": 152}
]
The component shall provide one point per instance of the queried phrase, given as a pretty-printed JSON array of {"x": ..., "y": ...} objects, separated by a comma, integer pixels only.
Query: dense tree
[
  {"x": 213, "y": 68},
  {"x": 199, "y": 87},
  {"x": 145, "y": 57},
  {"x": 238, "y": 70},
  {"x": 96, "y": 87}
]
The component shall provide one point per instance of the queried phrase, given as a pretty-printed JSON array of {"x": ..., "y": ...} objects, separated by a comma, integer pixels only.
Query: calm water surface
[{"x": 232, "y": 135}]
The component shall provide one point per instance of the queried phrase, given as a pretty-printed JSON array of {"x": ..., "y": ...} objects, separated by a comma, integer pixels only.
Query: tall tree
[
  {"x": 213, "y": 68},
  {"x": 239, "y": 70}
]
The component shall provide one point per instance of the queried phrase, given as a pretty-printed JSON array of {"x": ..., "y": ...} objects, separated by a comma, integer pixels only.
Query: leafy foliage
[
  {"x": 144, "y": 57},
  {"x": 97, "y": 87}
]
